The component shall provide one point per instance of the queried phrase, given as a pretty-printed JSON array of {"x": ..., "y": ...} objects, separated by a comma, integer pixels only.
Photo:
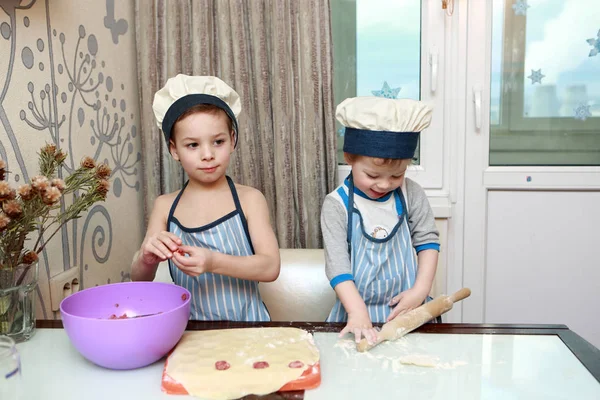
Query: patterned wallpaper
[{"x": 68, "y": 76}]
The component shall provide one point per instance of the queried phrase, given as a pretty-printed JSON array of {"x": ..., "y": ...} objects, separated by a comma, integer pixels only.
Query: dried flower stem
[{"x": 39, "y": 207}]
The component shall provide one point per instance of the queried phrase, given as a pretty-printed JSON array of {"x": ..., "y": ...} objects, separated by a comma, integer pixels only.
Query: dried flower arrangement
[{"x": 37, "y": 206}]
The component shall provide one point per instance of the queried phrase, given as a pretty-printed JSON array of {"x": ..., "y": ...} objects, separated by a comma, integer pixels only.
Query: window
[
  {"x": 377, "y": 51},
  {"x": 545, "y": 85},
  {"x": 393, "y": 48}
]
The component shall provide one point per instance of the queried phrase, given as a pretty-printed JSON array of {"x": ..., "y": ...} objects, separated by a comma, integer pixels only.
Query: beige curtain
[{"x": 277, "y": 54}]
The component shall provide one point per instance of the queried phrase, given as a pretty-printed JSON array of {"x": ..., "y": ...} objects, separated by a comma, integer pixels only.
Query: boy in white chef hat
[
  {"x": 216, "y": 234},
  {"x": 381, "y": 242}
]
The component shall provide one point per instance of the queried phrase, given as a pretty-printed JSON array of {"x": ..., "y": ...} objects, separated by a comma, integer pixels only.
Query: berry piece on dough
[
  {"x": 260, "y": 365},
  {"x": 296, "y": 364},
  {"x": 222, "y": 365}
]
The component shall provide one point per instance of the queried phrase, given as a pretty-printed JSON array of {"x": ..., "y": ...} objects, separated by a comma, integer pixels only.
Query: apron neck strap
[
  {"x": 175, "y": 202},
  {"x": 350, "y": 211}
]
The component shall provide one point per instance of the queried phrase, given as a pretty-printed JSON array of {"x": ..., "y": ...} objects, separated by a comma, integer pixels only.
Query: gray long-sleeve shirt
[{"x": 334, "y": 225}]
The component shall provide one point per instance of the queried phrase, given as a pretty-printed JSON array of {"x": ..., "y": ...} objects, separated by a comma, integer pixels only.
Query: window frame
[{"x": 433, "y": 146}]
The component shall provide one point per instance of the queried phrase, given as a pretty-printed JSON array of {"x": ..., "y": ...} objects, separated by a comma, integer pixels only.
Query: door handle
[
  {"x": 477, "y": 104},
  {"x": 433, "y": 62}
]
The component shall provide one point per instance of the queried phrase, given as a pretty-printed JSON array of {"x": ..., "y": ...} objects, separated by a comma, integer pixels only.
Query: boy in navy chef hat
[{"x": 381, "y": 242}]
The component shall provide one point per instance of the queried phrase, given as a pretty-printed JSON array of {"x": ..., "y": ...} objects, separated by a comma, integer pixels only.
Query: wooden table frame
[{"x": 587, "y": 354}]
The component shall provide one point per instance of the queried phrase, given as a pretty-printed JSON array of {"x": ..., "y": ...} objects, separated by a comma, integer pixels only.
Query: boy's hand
[
  {"x": 197, "y": 262},
  {"x": 406, "y": 301},
  {"x": 360, "y": 325},
  {"x": 159, "y": 247}
]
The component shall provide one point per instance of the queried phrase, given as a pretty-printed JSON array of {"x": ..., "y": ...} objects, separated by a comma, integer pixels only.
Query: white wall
[
  {"x": 439, "y": 283},
  {"x": 542, "y": 260}
]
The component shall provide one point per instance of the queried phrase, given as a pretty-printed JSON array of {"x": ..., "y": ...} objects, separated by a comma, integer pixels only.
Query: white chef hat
[
  {"x": 382, "y": 127},
  {"x": 183, "y": 91}
]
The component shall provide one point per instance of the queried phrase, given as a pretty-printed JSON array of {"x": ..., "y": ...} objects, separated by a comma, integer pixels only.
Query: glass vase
[{"x": 17, "y": 301}]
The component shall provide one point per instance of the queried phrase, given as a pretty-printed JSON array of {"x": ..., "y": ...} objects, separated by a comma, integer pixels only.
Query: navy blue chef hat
[{"x": 382, "y": 127}]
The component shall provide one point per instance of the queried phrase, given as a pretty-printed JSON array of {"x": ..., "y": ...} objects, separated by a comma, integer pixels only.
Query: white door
[{"x": 532, "y": 154}]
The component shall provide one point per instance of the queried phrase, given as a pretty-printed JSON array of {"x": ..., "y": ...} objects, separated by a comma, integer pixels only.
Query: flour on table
[{"x": 397, "y": 362}]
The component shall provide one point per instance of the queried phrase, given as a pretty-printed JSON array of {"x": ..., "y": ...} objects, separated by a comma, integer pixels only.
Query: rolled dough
[
  {"x": 420, "y": 360},
  {"x": 192, "y": 363}
]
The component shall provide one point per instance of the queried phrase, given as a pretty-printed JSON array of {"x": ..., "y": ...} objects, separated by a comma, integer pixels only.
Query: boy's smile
[
  {"x": 377, "y": 194},
  {"x": 376, "y": 178}
]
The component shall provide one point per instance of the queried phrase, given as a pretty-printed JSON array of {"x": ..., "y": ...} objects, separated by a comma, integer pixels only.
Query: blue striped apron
[
  {"x": 218, "y": 297},
  {"x": 382, "y": 268}
]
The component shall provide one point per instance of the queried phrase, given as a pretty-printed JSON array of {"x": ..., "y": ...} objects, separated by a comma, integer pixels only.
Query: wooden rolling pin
[{"x": 405, "y": 323}]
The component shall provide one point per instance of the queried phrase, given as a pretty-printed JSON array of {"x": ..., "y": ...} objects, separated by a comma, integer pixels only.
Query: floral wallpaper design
[
  {"x": 69, "y": 95},
  {"x": 116, "y": 27}
]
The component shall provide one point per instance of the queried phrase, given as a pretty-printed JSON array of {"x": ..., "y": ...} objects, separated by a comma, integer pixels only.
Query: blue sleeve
[
  {"x": 341, "y": 278},
  {"x": 427, "y": 246}
]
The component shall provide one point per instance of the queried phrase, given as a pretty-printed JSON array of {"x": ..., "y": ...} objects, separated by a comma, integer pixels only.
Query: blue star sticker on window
[
  {"x": 520, "y": 7},
  {"x": 536, "y": 76},
  {"x": 582, "y": 112},
  {"x": 386, "y": 91},
  {"x": 595, "y": 43}
]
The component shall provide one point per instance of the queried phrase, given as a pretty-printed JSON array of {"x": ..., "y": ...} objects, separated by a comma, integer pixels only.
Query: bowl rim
[{"x": 184, "y": 304}]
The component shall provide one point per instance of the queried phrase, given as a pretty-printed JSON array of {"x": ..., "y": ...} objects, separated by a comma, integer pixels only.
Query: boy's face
[
  {"x": 203, "y": 144},
  {"x": 376, "y": 179}
]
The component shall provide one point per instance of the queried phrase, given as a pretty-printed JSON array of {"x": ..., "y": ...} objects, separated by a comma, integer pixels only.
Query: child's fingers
[
  {"x": 183, "y": 260},
  {"x": 187, "y": 249},
  {"x": 183, "y": 268},
  {"x": 370, "y": 335},
  {"x": 168, "y": 239},
  {"x": 175, "y": 263},
  {"x": 403, "y": 309},
  {"x": 374, "y": 334},
  {"x": 176, "y": 239},
  {"x": 396, "y": 300},
  {"x": 395, "y": 312},
  {"x": 189, "y": 271},
  {"x": 187, "y": 265},
  {"x": 160, "y": 250},
  {"x": 186, "y": 270},
  {"x": 344, "y": 331},
  {"x": 391, "y": 316},
  {"x": 357, "y": 334}
]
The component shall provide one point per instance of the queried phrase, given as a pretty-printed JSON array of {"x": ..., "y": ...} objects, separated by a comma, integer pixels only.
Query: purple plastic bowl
[{"x": 126, "y": 343}]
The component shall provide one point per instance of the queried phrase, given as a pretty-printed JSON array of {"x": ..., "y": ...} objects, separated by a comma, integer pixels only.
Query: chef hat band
[
  {"x": 183, "y": 104},
  {"x": 381, "y": 144},
  {"x": 382, "y": 127}
]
